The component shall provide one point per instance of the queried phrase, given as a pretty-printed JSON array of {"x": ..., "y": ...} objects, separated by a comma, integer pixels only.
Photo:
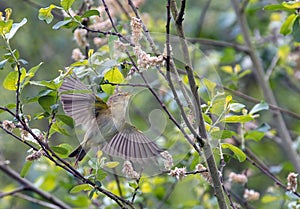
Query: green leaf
[
  {"x": 81, "y": 187},
  {"x": 92, "y": 192},
  {"x": 46, "y": 183},
  {"x": 59, "y": 150},
  {"x": 268, "y": 199},
  {"x": 241, "y": 156},
  {"x": 222, "y": 134},
  {"x": 112, "y": 164},
  {"x": 291, "y": 4},
  {"x": 276, "y": 7},
  {"x": 9, "y": 106},
  {"x": 236, "y": 107},
  {"x": 46, "y": 102},
  {"x": 263, "y": 128},
  {"x": 10, "y": 82},
  {"x": 31, "y": 73},
  {"x": 90, "y": 13},
  {"x": 259, "y": 107},
  {"x": 5, "y": 26},
  {"x": 33, "y": 70},
  {"x": 57, "y": 127},
  {"x": 2, "y": 63},
  {"x": 255, "y": 135},
  {"x": 15, "y": 28},
  {"x": 46, "y": 15},
  {"x": 66, "y": 4},
  {"x": 48, "y": 84},
  {"x": 60, "y": 24},
  {"x": 26, "y": 168},
  {"x": 66, "y": 120},
  {"x": 207, "y": 119},
  {"x": 244, "y": 73},
  {"x": 287, "y": 26},
  {"x": 114, "y": 76},
  {"x": 98, "y": 183},
  {"x": 237, "y": 119},
  {"x": 210, "y": 85},
  {"x": 101, "y": 175},
  {"x": 133, "y": 185}
]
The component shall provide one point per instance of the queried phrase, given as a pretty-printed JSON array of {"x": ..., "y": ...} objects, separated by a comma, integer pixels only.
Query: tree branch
[
  {"x": 280, "y": 124},
  {"x": 198, "y": 113},
  {"x": 28, "y": 185}
]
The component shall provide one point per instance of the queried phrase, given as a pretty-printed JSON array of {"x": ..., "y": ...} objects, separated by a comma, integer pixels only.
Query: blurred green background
[{"x": 38, "y": 42}]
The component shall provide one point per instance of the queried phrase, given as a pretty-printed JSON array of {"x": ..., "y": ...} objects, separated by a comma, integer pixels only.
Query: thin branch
[
  {"x": 218, "y": 43},
  {"x": 198, "y": 113},
  {"x": 136, "y": 190},
  {"x": 254, "y": 100},
  {"x": 202, "y": 17},
  {"x": 123, "y": 9},
  {"x": 4, "y": 194},
  {"x": 109, "y": 16},
  {"x": 66, "y": 166},
  {"x": 271, "y": 67},
  {"x": 145, "y": 29},
  {"x": 267, "y": 91},
  {"x": 27, "y": 184},
  {"x": 168, "y": 194},
  {"x": 36, "y": 201}
]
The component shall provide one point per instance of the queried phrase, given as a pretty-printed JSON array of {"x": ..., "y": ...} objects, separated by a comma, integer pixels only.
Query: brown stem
[
  {"x": 287, "y": 143},
  {"x": 210, "y": 160}
]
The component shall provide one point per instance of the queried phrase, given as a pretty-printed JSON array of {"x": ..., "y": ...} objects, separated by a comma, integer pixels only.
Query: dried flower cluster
[
  {"x": 28, "y": 137},
  {"x": 77, "y": 55},
  {"x": 146, "y": 60},
  {"x": 100, "y": 23},
  {"x": 129, "y": 172},
  {"x": 8, "y": 125},
  {"x": 179, "y": 173},
  {"x": 35, "y": 155},
  {"x": 238, "y": 178},
  {"x": 168, "y": 160},
  {"x": 80, "y": 37},
  {"x": 292, "y": 182},
  {"x": 251, "y": 195},
  {"x": 137, "y": 29},
  {"x": 205, "y": 174}
]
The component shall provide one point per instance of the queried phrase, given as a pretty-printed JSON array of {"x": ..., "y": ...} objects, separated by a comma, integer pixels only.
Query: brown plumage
[{"x": 105, "y": 123}]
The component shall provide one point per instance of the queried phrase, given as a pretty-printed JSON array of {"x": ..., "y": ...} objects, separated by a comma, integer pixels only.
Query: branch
[
  {"x": 198, "y": 113},
  {"x": 212, "y": 42},
  {"x": 28, "y": 185},
  {"x": 145, "y": 29},
  {"x": 202, "y": 17},
  {"x": 267, "y": 91}
]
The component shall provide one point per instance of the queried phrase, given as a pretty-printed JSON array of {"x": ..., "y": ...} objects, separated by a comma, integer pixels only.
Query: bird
[{"x": 105, "y": 123}]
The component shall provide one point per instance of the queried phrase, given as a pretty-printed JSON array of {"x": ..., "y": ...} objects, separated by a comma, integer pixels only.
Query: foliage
[{"x": 188, "y": 96}]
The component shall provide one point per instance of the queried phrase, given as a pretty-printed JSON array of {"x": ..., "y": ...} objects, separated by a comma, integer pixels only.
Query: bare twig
[
  {"x": 136, "y": 190},
  {"x": 198, "y": 113},
  {"x": 271, "y": 67},
  {"x": 219, "y": 43},
  {"x": 4, "y": 194},
  {"x": 168, "y": 194},
  {"x": 36, "y": 201},
  {"x": 202, "y": 17}
]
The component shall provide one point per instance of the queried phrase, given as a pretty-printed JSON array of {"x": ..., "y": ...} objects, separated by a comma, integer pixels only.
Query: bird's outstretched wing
[
  {"x": 131, "y": 144},
  {"x": 79, "y": 102}
]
